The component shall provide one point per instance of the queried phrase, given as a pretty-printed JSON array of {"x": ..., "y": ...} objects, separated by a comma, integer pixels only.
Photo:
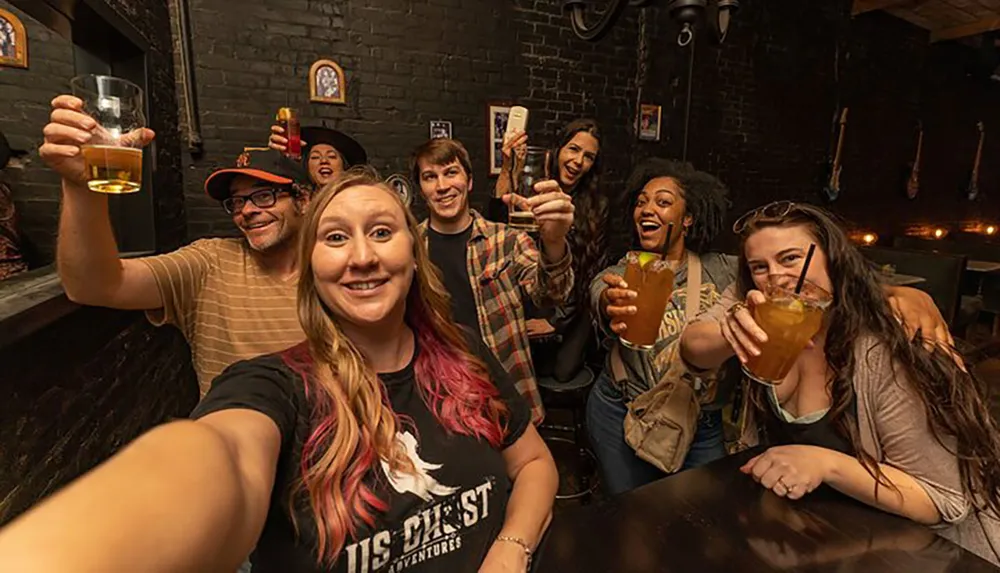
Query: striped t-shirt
[{"x": 226, "y": 306}]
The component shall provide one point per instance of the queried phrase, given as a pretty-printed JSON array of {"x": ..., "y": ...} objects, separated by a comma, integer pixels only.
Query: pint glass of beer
[
  {"x": 534, "y": 169},
  {"x": 790, "y": 319},
  {"x": 113, "y": 157},
  {"x": 652, "y": 278}
]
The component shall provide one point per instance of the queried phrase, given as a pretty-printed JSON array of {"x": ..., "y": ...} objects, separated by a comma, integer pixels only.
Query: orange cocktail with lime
[{"x": 653, "y": 279}]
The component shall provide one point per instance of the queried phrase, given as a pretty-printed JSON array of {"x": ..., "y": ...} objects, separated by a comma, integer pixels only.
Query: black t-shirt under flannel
[{"x": 443, "y": 519}]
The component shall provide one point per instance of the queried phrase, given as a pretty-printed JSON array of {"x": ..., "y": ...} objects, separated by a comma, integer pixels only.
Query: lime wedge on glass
[{"x": 646, "y": 258}]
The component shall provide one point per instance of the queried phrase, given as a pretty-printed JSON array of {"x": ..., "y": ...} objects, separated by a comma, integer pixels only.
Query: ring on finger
[{"x": 736, "y": 308}]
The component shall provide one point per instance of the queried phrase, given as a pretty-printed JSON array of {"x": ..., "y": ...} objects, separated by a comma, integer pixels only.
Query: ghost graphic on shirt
[{"x": 420, "y": 483}]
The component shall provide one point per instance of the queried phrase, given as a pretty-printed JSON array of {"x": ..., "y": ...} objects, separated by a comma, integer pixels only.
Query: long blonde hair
[{"x": 353, "y": 425}]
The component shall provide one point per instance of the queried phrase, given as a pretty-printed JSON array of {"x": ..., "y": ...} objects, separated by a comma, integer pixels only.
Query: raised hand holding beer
[{"x": 70, "y": 138}]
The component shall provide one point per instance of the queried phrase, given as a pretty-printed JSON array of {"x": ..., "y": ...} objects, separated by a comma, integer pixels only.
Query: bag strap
[{"x": 693, "y": 286}]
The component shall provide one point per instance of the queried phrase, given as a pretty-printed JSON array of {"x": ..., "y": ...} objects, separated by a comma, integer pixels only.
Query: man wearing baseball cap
[{"x": 233, "y": 298}]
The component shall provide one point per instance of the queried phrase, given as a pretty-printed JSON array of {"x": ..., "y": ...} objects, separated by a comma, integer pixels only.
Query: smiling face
[
  {"x": 363, "y": 258},
  {"x": 660, "y": 203},
  {"x": 324, "y": 164},
  {"x": 782, "y": 251},
  {"x": 576, "y": 158},
  {"x": 267, "y": 228},
  {"x": 446, "y": 189}
]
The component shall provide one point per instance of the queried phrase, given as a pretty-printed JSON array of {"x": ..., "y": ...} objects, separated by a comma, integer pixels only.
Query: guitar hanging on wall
[
  {"x": 913, "y": 183},
  {"x": 972, "y": 189},
  {"x": 832, "y": 187}
]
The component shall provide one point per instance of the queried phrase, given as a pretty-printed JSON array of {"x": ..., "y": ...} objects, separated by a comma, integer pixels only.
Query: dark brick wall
[
  {"x": 88, "y": 383},
  {"x": 763, "y": 104},
  {"x": 24, "y": 108},
  {"x": 78, "y": 390},
  {"x": 407, "y": 62}
]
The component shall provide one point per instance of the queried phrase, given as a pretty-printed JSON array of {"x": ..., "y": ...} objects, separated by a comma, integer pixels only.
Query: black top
[
  {"x": 444, "y": 521},
  {"x": 820, "y": 433},
  {"x": 450, "y": 254}
]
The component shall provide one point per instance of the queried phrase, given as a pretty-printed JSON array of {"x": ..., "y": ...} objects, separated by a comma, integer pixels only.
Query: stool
[{"x": 571, "y": 396}]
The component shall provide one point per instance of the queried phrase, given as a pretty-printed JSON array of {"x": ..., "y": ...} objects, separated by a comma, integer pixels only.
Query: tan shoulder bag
[{"x": 661, "y": 422}]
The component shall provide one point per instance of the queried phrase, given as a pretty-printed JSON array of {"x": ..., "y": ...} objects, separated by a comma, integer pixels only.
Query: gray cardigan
[{"x": 894, "y": 430}]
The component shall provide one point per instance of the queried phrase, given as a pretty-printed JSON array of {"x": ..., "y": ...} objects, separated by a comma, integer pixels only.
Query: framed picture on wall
[
  {"x": 496, "y": 124},
  {"x": 649, "y": 122},
  {"x": 13, "y": 41},
  {"x": 440, "y": 129},
  {"x": 327, "y": 83}
]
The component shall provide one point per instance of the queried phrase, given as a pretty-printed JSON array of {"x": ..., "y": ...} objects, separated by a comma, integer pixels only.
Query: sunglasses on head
[
  {"x": 262, "y": 197},
  {"x": 776, "y": 210}
]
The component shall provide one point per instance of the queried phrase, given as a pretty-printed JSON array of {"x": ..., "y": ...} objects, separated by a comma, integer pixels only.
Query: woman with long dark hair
[
  {"x": 388, "y": 440},
  {"x": 864, "y": 409},
  {"x": 575, "y": 162}
]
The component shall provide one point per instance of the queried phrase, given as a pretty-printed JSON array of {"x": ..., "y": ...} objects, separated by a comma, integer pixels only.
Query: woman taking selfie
[
  {"x": 575, "y": 163},
  {"x": 862, "y": 409},
  {"x": 385, "y": 440}
]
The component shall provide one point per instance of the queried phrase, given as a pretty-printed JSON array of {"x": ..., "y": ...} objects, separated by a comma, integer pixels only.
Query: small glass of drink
[
  {"x": 790, "y": 319},
  {"x": 114, "y": 161},
  {"x": 652, "y": 277},
  {"x": 534, "y": 169},
  {"x": 289, "y": 121}
]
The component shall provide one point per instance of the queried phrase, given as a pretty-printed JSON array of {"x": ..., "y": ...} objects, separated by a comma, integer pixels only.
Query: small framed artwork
[
  {"x": 649, "y": 122},
  {"x": 497, "y": 115},
  {"x": 440, "y": 129},
  {"x": 327, "y": 83},
  {"x": 402, "y": 186},
  {"x": 13, "y": 41}
]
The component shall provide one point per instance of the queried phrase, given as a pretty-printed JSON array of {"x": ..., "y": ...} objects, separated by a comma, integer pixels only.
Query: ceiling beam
[
  {"x": 862, "y": 6},
  {"x": 965, "y": 30}
]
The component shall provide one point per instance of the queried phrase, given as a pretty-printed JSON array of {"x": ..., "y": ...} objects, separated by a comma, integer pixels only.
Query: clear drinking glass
[
  {"x": 652, "y": 278},
  {"x": 790, "y": 319},
  {"x": 113, "y": 157},
  {"x": 534, "y": 169}
]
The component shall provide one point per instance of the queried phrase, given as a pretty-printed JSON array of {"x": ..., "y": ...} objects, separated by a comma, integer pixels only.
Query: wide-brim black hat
[
  {"x": 349, "y": 149},
  {"x": 260, "y": 163}
]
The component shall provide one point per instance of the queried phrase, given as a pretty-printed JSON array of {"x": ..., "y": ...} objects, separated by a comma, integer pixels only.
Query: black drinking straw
[
  {"x": 805, "y": 268},
  {"x": 666, "y": 241}
]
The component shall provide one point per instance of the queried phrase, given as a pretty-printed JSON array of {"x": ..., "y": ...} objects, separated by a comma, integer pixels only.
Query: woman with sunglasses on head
[
  {"x": 882, "y": 418},
  {"x": 388, "y": 440},
  {"x": 576, "y": 164}
]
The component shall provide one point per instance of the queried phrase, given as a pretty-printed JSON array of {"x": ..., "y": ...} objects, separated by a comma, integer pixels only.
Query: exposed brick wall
[
  {"x": 407, "y": 63},
  {"x": 763, "y": 104},
  {"x": 24, "y": 100},
  {"x": 87, "y": 384},
  {"x": 77, "y": 391}
]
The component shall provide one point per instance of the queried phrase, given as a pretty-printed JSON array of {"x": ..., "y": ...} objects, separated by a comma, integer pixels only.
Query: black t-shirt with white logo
[{"x": 445, "y": 518}]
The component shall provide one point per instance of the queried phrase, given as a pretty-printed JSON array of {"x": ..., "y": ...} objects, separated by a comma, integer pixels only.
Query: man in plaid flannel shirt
[{"x": 487, "y": 267}]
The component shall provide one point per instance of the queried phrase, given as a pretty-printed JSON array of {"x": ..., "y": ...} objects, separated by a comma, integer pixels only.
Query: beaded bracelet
[{"x": 524, "y": 545}]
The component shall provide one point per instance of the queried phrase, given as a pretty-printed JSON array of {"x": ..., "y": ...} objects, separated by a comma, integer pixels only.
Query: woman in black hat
[{"x": 326, "y": 152}]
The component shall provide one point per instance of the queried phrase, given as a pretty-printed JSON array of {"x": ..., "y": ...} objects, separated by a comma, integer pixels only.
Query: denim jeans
[{"x": 621, "y": 469}]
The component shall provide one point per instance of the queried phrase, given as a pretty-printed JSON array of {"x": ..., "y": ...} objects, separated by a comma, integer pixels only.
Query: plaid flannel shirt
[{"x": 503, "y": 266}]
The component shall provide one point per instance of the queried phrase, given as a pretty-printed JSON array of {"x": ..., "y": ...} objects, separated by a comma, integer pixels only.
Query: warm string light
[
  {"x": 940, "y": 233},
  {"x": 869, "y": 238},
  {"x": 991, "y": 230}
]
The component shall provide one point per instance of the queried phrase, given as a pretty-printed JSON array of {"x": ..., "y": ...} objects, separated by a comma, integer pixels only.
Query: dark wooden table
[{"x": 717, "y": 519}]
